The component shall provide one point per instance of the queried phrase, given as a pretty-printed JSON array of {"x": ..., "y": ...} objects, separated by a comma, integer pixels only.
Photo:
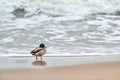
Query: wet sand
[
  {"x": 94, "y": 71},
  {"x": 52, "y": 61},
  {"x": 61, "y": 68}
]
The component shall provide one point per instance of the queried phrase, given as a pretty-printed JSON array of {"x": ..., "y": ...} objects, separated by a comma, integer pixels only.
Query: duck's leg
[
  {"x": 36, "y": 58},
  {"x": 41, "y": 58}
]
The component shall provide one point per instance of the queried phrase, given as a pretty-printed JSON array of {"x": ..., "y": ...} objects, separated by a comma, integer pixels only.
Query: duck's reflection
[{"x": 39, "y": 63}]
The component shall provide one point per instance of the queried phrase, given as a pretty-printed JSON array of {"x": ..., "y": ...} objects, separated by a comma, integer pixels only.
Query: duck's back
[{"x": 39, "y": 51}]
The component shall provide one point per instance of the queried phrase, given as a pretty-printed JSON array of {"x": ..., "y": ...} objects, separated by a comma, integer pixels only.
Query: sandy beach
[
  {"x": 97, "y": 71},
  {"x": 80, "y": 39},
  {"x": 106, "y": 70}
]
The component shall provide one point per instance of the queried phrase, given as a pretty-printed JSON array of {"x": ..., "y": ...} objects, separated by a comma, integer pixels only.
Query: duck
[{"x": 39, "y": 51}]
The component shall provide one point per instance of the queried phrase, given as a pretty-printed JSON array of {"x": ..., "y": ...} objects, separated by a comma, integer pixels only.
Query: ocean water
[{"x": 67, "y": 27}]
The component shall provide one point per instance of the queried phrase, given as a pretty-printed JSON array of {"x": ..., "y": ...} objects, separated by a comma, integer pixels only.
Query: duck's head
[{"x": 42, "y": 45}]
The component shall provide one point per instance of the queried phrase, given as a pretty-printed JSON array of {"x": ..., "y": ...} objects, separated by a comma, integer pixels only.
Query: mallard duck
[{"x": 39, "y": 51}]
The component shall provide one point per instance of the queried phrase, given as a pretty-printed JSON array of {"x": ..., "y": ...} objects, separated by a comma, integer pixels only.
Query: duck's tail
[{"x": 32, "y": 52}]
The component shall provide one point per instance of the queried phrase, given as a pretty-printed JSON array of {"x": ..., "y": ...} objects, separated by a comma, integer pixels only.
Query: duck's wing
[{"x": 36, "y": 50}]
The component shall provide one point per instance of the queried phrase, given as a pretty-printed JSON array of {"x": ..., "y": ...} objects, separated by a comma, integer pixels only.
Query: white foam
[
  {"x": 58, "y": 55},
  {"x": 60, "y": 7},
  {"x": 59, "y": 18},
  {"x": 8, "y": 39}
]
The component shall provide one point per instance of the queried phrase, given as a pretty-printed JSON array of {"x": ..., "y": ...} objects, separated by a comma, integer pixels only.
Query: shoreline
[
  {"x": 30, "y": 62},
  {"x": 93, "y": 71}
]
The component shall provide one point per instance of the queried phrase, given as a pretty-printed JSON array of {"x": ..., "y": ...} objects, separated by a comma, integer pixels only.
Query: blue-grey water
[{"x": 84, "y": 27}]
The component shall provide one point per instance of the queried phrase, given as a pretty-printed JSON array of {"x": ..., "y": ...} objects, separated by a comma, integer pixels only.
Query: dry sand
[{"x": 96, "y": 71}]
